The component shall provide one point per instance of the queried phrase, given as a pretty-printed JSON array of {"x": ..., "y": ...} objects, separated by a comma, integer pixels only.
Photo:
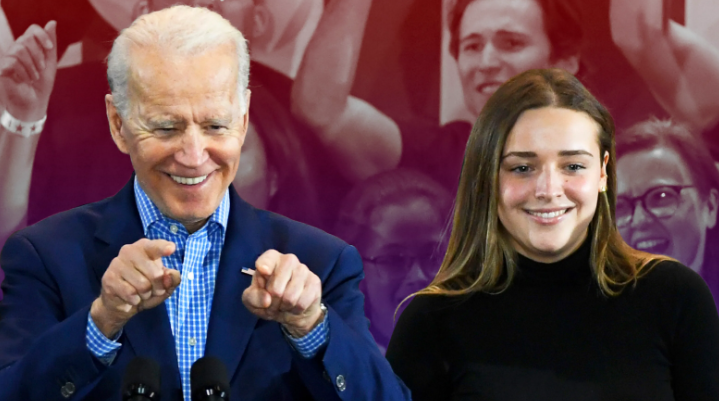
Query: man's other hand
[
  {"x": 286, "y": 291},
  {"x": 27, "y": 73},
  {"x": 134, "y": 281}
]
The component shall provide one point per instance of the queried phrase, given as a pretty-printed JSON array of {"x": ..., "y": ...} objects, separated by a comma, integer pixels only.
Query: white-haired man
[{"x": 85, "y": 289}]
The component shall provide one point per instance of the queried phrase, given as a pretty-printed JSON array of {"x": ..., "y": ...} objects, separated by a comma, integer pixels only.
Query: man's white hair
[{"x": 183, "y": 30}]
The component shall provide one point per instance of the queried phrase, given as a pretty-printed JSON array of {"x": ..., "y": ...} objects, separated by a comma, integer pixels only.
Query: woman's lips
[{"x": 548, "y": 216}]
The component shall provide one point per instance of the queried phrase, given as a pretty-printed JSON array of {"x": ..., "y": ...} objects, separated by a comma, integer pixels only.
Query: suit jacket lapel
[
  {"x": 147, "y": 333},
  {"x": 231, "y": 324}
]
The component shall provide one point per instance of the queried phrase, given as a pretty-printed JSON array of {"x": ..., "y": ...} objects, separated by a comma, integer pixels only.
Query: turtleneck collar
[{"x": 572, "y": 268}]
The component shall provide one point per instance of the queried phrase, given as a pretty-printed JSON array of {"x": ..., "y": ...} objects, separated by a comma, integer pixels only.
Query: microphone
[
  {"x": 141, "y": 381},
  {"x": 208, "y": 380}
]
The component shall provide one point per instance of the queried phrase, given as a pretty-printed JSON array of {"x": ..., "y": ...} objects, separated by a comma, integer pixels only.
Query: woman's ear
[
  {"x": 712, "y": 204},
  {"x": 603, "y": 177}
]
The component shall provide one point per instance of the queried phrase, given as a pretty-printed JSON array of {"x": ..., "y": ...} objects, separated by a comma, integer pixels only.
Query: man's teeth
[
  {"x": 648, "y": 244},
  {"x": 488, "y": 89},
  {"x": 549, "y": 215},
  {"x": 188, "y": 180}
]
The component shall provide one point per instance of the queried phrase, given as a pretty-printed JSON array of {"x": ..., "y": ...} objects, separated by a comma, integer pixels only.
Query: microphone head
[
  {"x": 208, "y": 377},
  {"x": 142, "y": 378}
]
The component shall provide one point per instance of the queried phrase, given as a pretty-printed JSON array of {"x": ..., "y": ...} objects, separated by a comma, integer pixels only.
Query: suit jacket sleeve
[
  {"x": 42, "y": 351},
  {"x": 351, "y": 366}
]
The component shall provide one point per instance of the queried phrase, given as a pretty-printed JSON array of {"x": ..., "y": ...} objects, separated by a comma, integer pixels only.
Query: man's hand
[
  {"x": 286, "y": 291},
  {"x": 134, "y": 281},
  {"x": 27, "y": 73}
]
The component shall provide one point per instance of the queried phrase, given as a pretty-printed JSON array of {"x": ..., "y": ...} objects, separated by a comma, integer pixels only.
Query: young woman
[{"x": 538, "y": 296}]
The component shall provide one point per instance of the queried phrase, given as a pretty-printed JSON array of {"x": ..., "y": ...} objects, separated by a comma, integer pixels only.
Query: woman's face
[
  {"x": 401, "y": 256},
  {"x": 499, "y": 39},
  {"x": 671, "y": 218},
  {"x": 549, "y": 180}
]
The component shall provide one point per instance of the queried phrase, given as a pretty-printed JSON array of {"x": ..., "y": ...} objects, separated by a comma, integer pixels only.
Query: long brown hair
[{"x": 480, "y": 257}]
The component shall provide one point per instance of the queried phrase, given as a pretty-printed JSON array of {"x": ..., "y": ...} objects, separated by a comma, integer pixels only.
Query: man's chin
[{"x": 189, "y": 217}]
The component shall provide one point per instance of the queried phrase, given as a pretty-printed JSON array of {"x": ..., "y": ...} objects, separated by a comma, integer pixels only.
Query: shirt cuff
[
  {"x": 103, "y": 348},
  {"x": 310, "y": 344}
]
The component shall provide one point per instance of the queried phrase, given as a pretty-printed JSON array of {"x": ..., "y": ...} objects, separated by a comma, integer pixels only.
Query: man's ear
[
  {"x": 262, "y": 25},
  {"x": 142, "y": 7},
  {"x": 569, "y": 64},
  {"x": 115, "y": 120},
  {"x": 246, "y": 117}
]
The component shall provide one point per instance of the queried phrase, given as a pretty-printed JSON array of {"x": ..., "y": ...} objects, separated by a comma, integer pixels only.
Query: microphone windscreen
[
  {"x": 209, "y": 372},
  {"x": 142, "y": 376}
]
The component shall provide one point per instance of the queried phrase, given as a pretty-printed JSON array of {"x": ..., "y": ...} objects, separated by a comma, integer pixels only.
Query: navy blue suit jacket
[{"x": 53, "y": 271}]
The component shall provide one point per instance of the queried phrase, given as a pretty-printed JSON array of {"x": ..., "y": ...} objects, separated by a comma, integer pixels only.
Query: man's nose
[
  {"x": 489, "y": 58},
  {"x": 210, "y": 4},
  {"x": 548, "y": 185},
  {"x": 193, "y": 148}
]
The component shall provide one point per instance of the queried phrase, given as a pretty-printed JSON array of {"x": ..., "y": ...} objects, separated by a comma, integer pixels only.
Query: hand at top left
[
  {"x": 286, "y": 291},
  {"x": 27, "y": 73}
]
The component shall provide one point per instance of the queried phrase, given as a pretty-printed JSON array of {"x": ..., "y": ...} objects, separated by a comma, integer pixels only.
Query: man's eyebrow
[
  {"x": 471, "y": 36},
  {"x": 218, "y": 120},
  {"x": 505, "y": 32},
  {"x": 164, "y": 122}
]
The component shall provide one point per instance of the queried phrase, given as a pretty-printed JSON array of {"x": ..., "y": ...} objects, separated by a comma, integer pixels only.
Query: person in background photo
[
  {"x": 492, "y": 41},
  {"x": 27, "y": 73},
  {"x": 397, "y": 221},
  {"x": 538, "y": 296},
  {"x": 680, "y": 67},
  {"x": 668, "y": 196}
]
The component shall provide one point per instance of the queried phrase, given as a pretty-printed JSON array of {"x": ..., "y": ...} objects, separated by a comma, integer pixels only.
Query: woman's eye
[
  {"x": 575, "y": 167},
  {"x": 520, "y": 169}
]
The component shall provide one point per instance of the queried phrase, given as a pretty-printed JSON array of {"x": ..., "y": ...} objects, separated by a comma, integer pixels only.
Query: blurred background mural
[{"x": 361, "y": 110}]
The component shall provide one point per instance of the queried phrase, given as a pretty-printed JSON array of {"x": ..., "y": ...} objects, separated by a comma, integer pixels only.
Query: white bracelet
[{"x": 26, "y": 129}]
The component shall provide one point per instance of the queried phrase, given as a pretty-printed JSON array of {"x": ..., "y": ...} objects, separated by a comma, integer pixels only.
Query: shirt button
[
  {"x": 340, "y": 382},
  {"x": 67, "y": 390},
  {"x": 192, "y": 342},
  {"x": 190, "y": 276},
  {"x": 173, "y": 228}
]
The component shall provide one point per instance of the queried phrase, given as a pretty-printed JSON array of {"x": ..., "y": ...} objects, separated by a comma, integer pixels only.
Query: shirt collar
[{"x": 149, "y": 213}]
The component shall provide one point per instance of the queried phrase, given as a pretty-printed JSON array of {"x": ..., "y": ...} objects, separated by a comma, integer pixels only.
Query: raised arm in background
[
  {"x": 27, "y": 74},
  {"x": 362, "y": 140},
  {"x": 680, "y": 68}
]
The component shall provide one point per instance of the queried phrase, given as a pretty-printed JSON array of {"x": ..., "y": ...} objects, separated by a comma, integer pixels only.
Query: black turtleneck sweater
[{"x": 553, "y": 336}]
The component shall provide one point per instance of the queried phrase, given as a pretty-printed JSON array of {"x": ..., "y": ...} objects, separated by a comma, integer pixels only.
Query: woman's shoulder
[
  {"x": 433, "y": 307},
  {"x": 670, "y": 272},
  {"x": 672, "y": 278}
]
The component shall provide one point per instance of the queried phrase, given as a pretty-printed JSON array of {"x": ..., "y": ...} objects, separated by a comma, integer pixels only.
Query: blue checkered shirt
[{"x": 197, "y": 257}]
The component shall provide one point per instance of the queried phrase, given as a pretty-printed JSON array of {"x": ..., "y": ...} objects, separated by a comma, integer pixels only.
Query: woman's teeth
[
  {"x": 188, "y": 180},
  {"x": 548, "y": 215},
  {"x": 649, "y": 244}
]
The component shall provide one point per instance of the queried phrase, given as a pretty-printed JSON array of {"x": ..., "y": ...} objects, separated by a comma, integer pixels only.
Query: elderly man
[{"x": 85, "y": 289}]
